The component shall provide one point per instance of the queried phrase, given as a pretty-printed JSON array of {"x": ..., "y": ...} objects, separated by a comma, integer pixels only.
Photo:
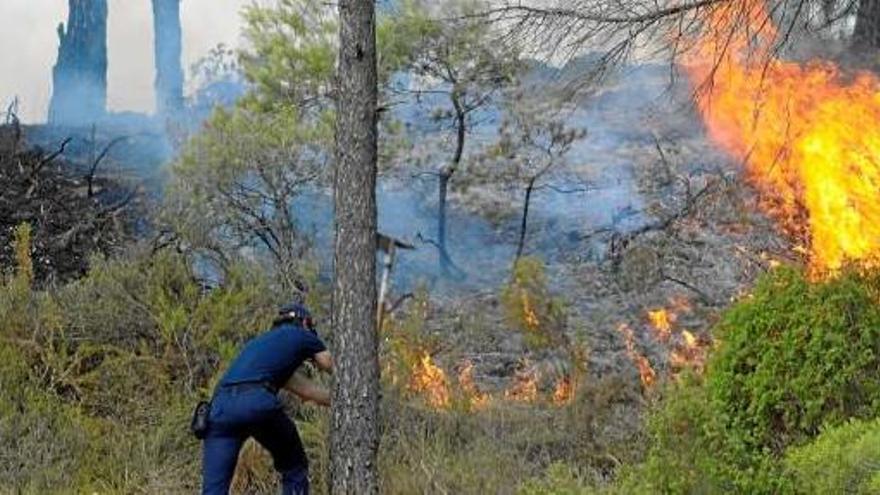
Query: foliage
[
  {"x": 233, "y": 189},
  {"x": 98, "y": 376},
  {"x": 691, "y": 452},
  {"x": 797, "y": 355},
  {"x": 559, "y": 479},
  {"x": 506, "y": 447},
  {"x": 794, "y": 356},
  {"x": 844, "y": 459},
  {"x": 533, "y": 140},
  {"x": 530, "y": 308}
]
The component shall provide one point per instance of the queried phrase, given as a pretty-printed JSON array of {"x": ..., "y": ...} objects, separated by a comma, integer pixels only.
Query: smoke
[
  {"x": 617, "y": 121},
  {"x": 29, "y": 46}
]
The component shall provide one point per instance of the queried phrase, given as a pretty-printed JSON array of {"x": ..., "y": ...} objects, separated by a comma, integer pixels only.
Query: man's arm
[
  {"x": 308, "y": 390},
  {"x": 324, "y": 361}
]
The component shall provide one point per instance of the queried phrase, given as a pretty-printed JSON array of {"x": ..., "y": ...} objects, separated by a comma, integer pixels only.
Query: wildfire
[
  {"x": 529, "y": 315},
  {"x": 661, "y": 320},
  {"x": 430, "y": 380},
  {"x": 525, "y": 385},
  {"x": 809, "y": 137},
  {"x": 690, "y": 352},
  {"x": 646, "y": 372},
  {"x": 564, "y": 391},
  {"x": 477, "y": 399}
]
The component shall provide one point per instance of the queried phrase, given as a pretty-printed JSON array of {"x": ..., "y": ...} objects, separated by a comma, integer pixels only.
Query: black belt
[{"x": 251, "y": 385}]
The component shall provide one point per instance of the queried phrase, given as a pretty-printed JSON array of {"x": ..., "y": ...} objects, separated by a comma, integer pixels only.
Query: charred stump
[
  {"x": 168, "y": 46},
  {"x": 79, "y": 94},
  {"x": 867, "y": 29}
]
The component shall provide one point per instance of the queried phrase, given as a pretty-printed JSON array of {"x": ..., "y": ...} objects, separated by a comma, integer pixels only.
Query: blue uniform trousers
[{"x": 241, "y": 412}]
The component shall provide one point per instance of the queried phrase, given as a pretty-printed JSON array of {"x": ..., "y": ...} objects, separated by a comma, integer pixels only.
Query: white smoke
[{"x": 29, "y": 44}]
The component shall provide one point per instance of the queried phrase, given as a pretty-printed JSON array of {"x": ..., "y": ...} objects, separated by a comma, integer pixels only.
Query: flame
[
  {"x": 646, "y": 372},
  {"x": 525, "y": 385},
  {"x": 661, "y": 320},
  {"x": 563, "y": 393},
  {"x": 530, "y": 317},
  {"x": 809, "y": 137},
  {"x": 689, "y": 338},
  {"x": 430, "y": 380},
  {"x": 477, "y": 399},
  {"x": 690, "y": 352}
]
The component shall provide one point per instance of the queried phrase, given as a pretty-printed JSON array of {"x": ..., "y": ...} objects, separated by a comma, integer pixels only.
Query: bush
[
  {"x": 793, "y": 357},
  {"x": 797, "y": 355},
  {"x": 531, "y": 308},
  {"x": 98, "y": 377},
  {"x": 844, "y": 459}
]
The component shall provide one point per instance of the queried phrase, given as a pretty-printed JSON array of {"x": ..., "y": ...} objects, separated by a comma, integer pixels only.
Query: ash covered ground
[{"x": 666, "y": 223}]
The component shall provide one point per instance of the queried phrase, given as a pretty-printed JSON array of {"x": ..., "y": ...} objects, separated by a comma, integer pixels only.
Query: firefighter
[{"x": 245, "y": 403}]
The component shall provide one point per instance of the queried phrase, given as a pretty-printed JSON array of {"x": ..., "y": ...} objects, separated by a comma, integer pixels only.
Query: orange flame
[
  {"x": 690, "y": 353},
  {"x": 477, "y": 399},
  {"x": 525, "y": 386},
  {"x": 563, "y": 393},
  {"x": 529, "y": 315},
  {"x": 646, "y": 372},
  {"x": 809, "y": 137},
  {"x": 661, "y": 320},
  {"x": 430, "y": 380}
]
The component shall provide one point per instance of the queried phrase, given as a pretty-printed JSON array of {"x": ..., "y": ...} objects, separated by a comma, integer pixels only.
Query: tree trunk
[
  {"x": 525, "y": 220},
  {"x": 867, "y": 29},
  {"x": 445, "y": 175},
  {"x": 167, "y": 46},
  {"x": 354, "y": 433},
  {"x": 79, "y": 78}
]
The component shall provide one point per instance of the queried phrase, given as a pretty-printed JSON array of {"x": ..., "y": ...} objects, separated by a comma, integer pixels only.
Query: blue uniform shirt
[{"x": 273, "y": 356}]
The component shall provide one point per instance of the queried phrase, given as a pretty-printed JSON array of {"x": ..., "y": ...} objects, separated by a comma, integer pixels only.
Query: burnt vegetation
[
  {"x": 75, "y": 212},
  {"x": 592, "y": 282}
]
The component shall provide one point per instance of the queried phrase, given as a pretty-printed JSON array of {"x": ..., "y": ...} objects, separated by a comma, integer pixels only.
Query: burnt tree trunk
[
  {"x": 354, "y": 432},
  {"x": 79, "y": 78},
  {"x": 524, "y": 225},
  {"x": 867, "y": 29},
  {"x": 168, "y": 46},
  {"x": 445, "y": 175}
]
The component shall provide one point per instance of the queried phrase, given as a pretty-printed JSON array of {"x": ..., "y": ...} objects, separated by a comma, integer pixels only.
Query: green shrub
[
  {"x": 559, "y": 479},
  {"x": 530, "y": 308},
  {"x": 793, "y": 357},
  {"x": 691, "y": 451},
  {"x": 797, "y": 355},
  {"x": 844, "y": 459},
  {"x": 98, "y": 377}
]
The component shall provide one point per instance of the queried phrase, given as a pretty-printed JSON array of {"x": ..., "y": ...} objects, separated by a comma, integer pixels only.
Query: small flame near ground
[
  {"x": 686, "y": 350},
  {"x": 661, "y": 320},
  {"x": 530, "y": 317},
  {"x": 563, "y": 392},
  {"x": 477, "y": 400},
  {"x": 646, "y": 372},
  {"x": 525, "y": 385},
  {"x": 430, "y": 380},
  {"x": 809, "y": 136}
]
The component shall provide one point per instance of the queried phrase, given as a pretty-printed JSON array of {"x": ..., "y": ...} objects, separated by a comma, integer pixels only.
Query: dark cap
[
  {"x": 298, "y": 313},
  {"x": 296, "y": 308}
]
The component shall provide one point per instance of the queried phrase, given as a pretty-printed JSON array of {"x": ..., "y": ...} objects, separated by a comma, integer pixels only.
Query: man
[{"x": 245, "y": 403}]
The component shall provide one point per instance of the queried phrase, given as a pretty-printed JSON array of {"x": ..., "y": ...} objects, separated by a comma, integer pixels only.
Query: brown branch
[
  {"x": 90, "y": 178},
  {"x": 561, "y": 13},
  {"x": 50, "y": 158}
]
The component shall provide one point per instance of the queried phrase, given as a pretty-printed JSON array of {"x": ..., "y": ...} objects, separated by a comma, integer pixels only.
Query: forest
[{"x": 555, "y": 247}]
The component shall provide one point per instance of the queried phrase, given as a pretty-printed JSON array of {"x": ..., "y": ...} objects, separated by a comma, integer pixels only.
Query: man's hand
[
  {"x": 308, "y": 390},
  {"x": 324, "y": 361}
]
